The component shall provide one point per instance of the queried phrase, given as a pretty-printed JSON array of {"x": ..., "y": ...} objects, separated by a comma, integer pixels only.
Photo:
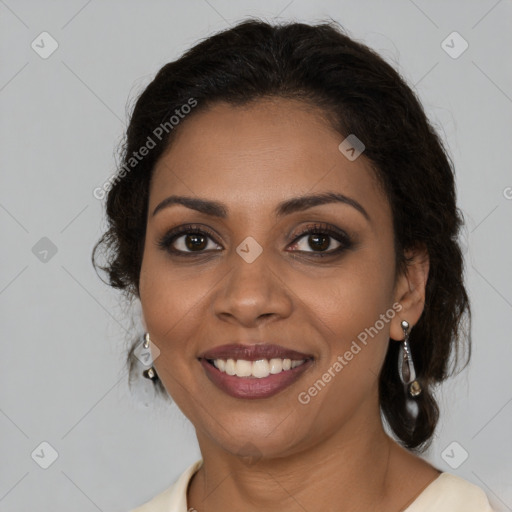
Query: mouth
[{"x": 254, "y": 371}]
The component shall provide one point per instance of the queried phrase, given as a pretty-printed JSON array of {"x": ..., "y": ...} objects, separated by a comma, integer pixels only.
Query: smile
[
  {"x": 258, "y": 369},
  {"x": 254, "y": 371}
]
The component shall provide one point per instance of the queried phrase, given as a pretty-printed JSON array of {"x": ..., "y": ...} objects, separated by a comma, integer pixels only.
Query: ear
[{"x": 410, "y": 290}]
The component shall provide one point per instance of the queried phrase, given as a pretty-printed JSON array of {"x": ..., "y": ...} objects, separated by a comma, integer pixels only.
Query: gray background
[{"x": 62, "y": 375}]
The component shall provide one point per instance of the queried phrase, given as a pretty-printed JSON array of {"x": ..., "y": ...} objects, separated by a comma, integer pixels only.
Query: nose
[{"x": 252, "y": 294}]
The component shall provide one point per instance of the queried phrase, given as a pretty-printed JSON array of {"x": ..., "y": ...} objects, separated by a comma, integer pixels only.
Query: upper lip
[{"x": 253, "y": 352}]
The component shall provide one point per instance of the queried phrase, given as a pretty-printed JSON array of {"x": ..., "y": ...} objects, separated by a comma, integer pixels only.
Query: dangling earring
[
  {"x": 406, "y": 366},
  {"x": 150, "y": 373}
]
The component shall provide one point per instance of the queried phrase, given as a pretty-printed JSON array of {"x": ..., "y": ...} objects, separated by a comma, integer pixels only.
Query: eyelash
[{"x": 166, "y": 241}]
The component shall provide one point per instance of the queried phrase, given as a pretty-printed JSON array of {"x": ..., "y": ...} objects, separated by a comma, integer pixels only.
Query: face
[{"x": 245, "y": 268}]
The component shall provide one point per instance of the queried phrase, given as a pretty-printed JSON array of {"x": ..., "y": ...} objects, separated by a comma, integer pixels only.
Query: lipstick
[{"x": 254, "y": 371}]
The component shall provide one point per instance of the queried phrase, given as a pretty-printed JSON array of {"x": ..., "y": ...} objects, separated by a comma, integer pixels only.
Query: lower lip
[{"x": 252, "y": 387}]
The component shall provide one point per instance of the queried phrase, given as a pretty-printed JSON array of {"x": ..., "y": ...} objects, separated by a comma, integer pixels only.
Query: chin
[{"x": 256, "y": 435}]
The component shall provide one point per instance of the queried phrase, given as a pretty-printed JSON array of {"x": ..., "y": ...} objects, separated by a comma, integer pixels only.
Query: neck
[{"x": 347, "y": 471}]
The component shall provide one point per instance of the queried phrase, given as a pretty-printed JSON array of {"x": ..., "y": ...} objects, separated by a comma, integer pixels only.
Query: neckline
[
  {"x": 194, "y": 468},
  {"x": 423, "y": 492}
]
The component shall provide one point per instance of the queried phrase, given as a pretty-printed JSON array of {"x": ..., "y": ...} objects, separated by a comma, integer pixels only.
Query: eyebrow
[{"x": 295, "y": 204}]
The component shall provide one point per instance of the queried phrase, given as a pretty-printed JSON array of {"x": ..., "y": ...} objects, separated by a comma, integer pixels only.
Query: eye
[
  {"x": 189, "y": 239},
  {"x": 322, "y": 239}
]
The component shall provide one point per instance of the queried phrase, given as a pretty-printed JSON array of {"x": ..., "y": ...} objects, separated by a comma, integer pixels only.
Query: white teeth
[
  {"x": 230, "y": 367},
  {"x": 276, "y": 365},
  {"x": 259, "y": 369},
  {"x": 243, "y": 368}
]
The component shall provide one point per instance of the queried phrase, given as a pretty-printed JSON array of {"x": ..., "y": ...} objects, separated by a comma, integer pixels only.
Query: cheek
[
  {"x": 172, "y": 310},
  {"x": 168, "y": 293},
  {"x": 354, "y": 315},
  {"x": 353, "y": 310},
  {"x": 351, "y": 300},
  {"x": 170, "y": 305}
]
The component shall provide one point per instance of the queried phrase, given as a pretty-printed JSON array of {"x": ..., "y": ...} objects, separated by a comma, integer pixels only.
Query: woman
[{"x": 286, "y": 216}]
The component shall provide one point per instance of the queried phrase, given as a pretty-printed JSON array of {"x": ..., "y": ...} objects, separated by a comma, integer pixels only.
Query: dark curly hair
[{"x": 359, "y": 93}]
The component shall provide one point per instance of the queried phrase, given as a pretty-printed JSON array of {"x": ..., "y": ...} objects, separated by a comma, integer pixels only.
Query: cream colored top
[{"x": 447, "y": 493}]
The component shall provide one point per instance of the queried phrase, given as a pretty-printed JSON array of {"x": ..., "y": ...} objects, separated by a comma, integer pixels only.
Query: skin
[{"x": 276, "y": 453}]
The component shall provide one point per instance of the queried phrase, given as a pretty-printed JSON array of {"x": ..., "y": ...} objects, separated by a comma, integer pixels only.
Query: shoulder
[
  {"x": 451, "y": 493},
  {"x": 174, "y": 498}
]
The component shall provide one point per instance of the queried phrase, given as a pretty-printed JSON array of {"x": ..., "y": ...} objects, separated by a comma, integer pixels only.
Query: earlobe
[{"x": 410, "y": 290}]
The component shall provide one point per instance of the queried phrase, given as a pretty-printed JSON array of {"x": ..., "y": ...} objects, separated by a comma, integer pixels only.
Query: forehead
[{"x": 259, "y": 154}]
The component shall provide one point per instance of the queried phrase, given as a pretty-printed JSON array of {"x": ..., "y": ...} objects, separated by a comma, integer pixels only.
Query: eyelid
[
  {"x": 165, "y": 242},
  {"x": 344, "y": 240},
  {"x": 323, "y": 228}
]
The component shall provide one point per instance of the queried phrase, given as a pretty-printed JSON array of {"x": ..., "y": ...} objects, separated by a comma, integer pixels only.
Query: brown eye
[
  {"x": 195, "y": 242},
  {"x": 322, "y": 240},
  {"x": 318, "y": 242},
  {"x": 188, "y": 239}
]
